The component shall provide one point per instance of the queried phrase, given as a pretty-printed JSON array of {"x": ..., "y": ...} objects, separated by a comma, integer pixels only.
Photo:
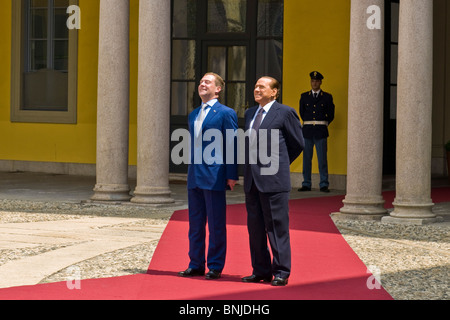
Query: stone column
[
  {"x": 413, "y": 204},
  {"x": 365, "y": 112},
  {"x": 153, "y": 104},
  {"x": 113, "y": 102}
]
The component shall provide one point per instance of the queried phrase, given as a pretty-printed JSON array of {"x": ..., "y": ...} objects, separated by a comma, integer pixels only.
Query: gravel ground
[
  {"x": 412, "y": 262},
  {"x": 46, "y": 211}
]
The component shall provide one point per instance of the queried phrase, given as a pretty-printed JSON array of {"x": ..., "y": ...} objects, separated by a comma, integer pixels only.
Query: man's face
[
  {"x": 263, "y": 92},
  {"x": 207, "y": 89},
  {"x": 315, "y": 84}
]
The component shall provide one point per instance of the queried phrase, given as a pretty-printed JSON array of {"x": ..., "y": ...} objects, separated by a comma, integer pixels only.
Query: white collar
[
  {"x": 267, "y": 106},
  {"x": 211, "y": 102}
]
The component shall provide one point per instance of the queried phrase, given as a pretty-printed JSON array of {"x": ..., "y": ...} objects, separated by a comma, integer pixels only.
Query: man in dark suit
[
  {"x": 317, "y": 112},
  {"x": 208, "y": 178},
  {"x": 267, "y": 193}
]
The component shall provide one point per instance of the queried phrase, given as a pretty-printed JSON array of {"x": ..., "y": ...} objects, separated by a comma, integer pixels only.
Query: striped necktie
[
  {"x": 258, "y": 120},
  {"x": 200, "y": 119}
]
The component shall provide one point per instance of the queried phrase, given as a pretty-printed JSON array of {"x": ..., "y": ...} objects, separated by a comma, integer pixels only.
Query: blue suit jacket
[
  {"x": 291, "y": 144},
  {"x": 213, "y": 176}
]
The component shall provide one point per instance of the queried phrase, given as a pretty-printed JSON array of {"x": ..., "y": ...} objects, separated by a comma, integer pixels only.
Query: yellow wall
[
  {"x": 63, "y": 142},
  {"x": 52, "y": 142},
  {"x": 5, "y": 76},
  {"x": 317, "y": 38}
]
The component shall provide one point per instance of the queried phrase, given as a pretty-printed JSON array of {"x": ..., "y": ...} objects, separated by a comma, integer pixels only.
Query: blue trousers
[
  {"x": 207, "y": 206},
  {"x": 321, "y": 149}
]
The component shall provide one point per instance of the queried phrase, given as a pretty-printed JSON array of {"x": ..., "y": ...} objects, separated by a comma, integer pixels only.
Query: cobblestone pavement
[
  {"x": 412, "y": 262},
  {"x": 99, "y": 240}
]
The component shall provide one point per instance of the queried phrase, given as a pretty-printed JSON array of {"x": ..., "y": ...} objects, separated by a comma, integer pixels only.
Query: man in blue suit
[
  {"x": 267, "y": 193},
  {"x": 209, "y": 175}
]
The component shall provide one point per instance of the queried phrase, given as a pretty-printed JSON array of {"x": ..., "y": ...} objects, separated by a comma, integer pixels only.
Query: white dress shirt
[{"x": 266, "y": 110}]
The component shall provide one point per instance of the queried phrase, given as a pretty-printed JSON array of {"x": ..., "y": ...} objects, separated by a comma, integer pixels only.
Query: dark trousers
[
  {"x": 268, "y": 216},
  {"x": 207, "y": 206}
]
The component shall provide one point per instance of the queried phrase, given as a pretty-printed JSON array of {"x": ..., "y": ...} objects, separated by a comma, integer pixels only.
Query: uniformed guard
[{"x": 317, "y": 112}]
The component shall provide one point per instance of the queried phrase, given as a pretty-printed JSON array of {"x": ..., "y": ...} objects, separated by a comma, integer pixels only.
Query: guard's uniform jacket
[{"x": 317, "y": 114}]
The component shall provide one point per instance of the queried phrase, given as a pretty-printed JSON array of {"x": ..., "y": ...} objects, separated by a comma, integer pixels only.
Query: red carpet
[{"x": 324, "y": 267}]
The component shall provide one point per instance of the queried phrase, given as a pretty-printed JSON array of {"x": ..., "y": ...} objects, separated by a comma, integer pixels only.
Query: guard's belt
[{"x": 314, "y": 123}]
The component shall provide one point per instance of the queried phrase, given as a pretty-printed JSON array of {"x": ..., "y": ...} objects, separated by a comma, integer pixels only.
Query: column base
[
  {"x": 357, "y": 217},
  {"x": 361, "y": 210},
  {"x": 152, "y": 195},
  {"x": 412, "y": 213},
  {"x": 111, "y": 192},
  {"x": 411, "y": 221}
]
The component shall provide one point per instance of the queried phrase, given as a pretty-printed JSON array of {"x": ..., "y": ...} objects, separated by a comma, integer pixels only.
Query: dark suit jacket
[
  {"x": 316, "y": 109},
  {"x": 212, "y": 176},
  {"x": 291, "y": 144}
]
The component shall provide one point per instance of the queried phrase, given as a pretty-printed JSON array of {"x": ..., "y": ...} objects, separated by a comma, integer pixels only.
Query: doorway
[
  {"x": 230, "y": 61},
  {"x": 390, "y": 88},
  {"x": 240, "y": 40}
]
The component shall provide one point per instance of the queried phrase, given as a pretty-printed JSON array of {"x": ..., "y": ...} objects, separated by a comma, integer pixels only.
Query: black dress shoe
[
  {"x": 189, "y": 272},
  {"x": 325, "y": 189},
  {"x": 254, "y": 278},
  {"x": 304, "y": 189},
  {"x": 213, "y": 275},
  {"x": 278, "y": 281}
]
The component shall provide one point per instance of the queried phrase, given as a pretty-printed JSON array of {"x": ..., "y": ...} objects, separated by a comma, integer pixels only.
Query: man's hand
[{"x": 231, "y": 184}]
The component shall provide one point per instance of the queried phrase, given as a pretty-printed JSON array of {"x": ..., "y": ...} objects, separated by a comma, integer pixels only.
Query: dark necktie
[{"x": 258, "y": 120}]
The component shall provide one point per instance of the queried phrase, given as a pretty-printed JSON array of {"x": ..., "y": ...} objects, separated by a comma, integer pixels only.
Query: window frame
[
  {"x": 203, "y": 38},
  {"x": 18, "y": 55},
  {"x": 390, "y": 87}
]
